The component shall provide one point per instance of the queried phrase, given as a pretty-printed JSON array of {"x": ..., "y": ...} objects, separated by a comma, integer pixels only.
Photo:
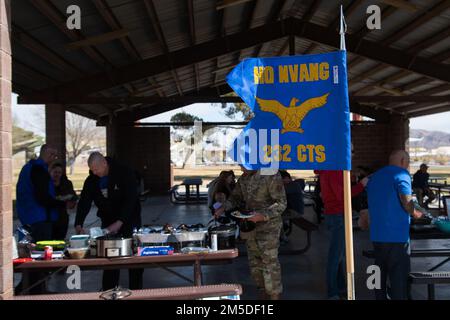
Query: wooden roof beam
[
  {"x": 427, "y": 112},
  {"x": 193, "y": 36},
  {"x": 49, "y": 10},
  {"x": 151, "y": 10},
  {"x": 410, "y": 98},
  {"x": 348, "y": 11},
  {"x": 239, "y": 41},
  {"x": 275, "y": 12},
  {"x": 307, "y": 16},
  {"x": 424, "y": 18},
  {"x": 21, "y": 37},
  {"x": 229, "y": 3},
  {"x": 96, "y": 40}
]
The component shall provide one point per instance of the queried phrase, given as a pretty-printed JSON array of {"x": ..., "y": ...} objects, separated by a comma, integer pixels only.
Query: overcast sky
[
  {"x": 435, "y": 122},
  {"x": 32, "y": 118}
]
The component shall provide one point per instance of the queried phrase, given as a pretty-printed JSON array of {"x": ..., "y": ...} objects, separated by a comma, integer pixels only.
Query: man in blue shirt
[{"x": 390, "y": 209}]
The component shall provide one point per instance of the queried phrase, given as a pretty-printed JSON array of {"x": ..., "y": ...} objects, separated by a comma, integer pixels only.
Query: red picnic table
[{"x": 178, "y": 259}]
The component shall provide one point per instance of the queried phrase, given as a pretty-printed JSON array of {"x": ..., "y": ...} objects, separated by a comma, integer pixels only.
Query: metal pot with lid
[
  {"x": 226, "y": 236},
  {"x": 110, "y": 246}
]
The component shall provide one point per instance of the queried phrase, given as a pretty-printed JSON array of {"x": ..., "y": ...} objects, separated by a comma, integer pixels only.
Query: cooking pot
[
  {"x": 114, "y": 246},
  {"x": 226, "y": 236}
]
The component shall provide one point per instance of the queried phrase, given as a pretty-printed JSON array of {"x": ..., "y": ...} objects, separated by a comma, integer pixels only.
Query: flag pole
[{"x": 350, "y": 264}]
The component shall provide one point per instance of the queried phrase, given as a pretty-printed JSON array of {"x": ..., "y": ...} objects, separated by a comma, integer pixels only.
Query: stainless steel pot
[
  {"x": 112, "y": 247},
  {"x": 226, "y": 236}
]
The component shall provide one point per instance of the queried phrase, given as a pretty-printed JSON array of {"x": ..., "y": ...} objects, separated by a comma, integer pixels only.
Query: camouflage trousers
[{"x": 262, "y": 248}]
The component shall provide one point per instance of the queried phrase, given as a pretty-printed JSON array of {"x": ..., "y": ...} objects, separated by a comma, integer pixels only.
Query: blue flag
[{"x": 301, "y": 112}]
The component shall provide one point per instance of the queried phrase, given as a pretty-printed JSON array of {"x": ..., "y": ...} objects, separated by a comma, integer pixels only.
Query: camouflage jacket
[{"x": 260, "y": 193}]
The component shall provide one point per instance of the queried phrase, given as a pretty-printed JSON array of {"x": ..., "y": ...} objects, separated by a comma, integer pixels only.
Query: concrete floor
[{"x": 303, "y": 275}]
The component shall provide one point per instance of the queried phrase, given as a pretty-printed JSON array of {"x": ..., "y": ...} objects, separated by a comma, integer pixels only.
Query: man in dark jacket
[
  {"x": 113, "y": 189},
  {"x": 35, "y": 194},
  {"x": 421, "y": 187},
  {"x": 36, "y": 205}
]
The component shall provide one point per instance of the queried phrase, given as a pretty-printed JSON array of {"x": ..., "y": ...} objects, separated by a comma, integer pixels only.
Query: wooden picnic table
[
  {"x": 440, "y": 188},
  {"x": 437, "y": 179},
  {"x": 177, "y": 293},
  {"x": 177, "y": 259}
]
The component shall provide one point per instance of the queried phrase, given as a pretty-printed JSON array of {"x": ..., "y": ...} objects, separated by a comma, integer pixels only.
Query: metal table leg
[
  {"x": 439, "y": 198},
  {"x": 431, "y": 295},
  {"x": 25, "y": 283},
  {"x": 197, "y": 273}
]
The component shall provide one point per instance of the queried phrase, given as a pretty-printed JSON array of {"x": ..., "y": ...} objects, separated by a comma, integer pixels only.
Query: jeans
[
  {"x": 336, "y": 283},
  {"x": 394, "y": 262}
]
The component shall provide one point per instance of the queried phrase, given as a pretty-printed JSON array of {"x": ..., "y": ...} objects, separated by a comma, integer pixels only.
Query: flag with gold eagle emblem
[{"x": 301, "y": 112}]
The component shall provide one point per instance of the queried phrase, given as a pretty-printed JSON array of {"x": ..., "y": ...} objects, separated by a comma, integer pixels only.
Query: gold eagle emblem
[{"x": 291, "y": 117}]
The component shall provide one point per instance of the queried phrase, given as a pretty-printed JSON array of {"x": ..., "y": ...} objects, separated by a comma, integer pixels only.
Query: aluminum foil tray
[
  {"x": 185, "y": 236},
  {"x": 153, "y": 237}
]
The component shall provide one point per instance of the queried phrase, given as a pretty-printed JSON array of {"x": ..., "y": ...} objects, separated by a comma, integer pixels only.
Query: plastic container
[
  {"x": 55, "y": 244},
  {"x": 78, "y": 253},
  {"x": 79, "y": 241}
]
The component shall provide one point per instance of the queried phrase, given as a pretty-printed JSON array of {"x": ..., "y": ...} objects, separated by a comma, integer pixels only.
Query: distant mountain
[{"x": 428, "y": 139}]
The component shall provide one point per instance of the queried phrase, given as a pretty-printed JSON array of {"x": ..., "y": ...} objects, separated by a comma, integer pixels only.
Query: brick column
[
  {"x": 6, "y": 268},
  {"x": 150, "y": 156},
  {"x": 111, "y": 129},
  {"x": 146, "y": 150},
  {"x": 119, "y": 138},
  {"x": 373, "y": 142},
  {"x": 398, "y": 133},
  {"x": 55, "y": 129},
  {"x": 370, "y": 143}
]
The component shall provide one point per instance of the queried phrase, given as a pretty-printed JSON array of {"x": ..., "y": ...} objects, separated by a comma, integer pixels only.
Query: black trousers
[
  {"x": 40, "y": 231},
  {"x": 111, "y": 279},
  {"x": 395, "y": 265},
  {"x": 61, "y": 226}
]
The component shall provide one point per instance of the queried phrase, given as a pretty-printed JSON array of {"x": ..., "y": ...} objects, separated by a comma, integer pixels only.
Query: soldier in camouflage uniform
[{"x": 265, "y": 196}]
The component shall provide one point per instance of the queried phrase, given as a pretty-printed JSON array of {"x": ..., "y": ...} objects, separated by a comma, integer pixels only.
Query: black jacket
[{"x": 121, "y": 204}]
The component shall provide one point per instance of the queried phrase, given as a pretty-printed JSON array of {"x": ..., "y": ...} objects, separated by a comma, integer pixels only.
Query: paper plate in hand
[{"x": 240, "y": 215}]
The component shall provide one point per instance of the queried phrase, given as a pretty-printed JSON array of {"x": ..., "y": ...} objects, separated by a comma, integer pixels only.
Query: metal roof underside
[{"x": 164, "y": 49}]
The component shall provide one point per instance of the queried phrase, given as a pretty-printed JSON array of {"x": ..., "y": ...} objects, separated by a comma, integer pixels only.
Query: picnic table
[
  {"x": 440, "y": 189},
  {"x": 177, "y": 293},
  {"x": 164, "y": 262},
  {"x": 191, "y": 194},
  {"x": 429, "y": 277},
  {"x": 437, "y": 179}
]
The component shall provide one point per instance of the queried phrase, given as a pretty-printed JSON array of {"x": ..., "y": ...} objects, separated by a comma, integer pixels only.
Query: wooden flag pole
[
  {"x": 349, "y": 237},
  {"x": 348, "y": 200}
]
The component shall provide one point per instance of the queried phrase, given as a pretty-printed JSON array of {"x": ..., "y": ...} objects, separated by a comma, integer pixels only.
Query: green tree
[{"x": 233, "y": 110}]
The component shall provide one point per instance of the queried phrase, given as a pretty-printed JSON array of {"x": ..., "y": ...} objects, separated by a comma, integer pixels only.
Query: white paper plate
[{"x": 239, "y": 215}]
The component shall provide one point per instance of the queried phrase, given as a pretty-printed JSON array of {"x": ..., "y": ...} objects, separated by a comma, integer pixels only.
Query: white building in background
[
  {"x": 441, "y": 151},
  {"x": 215, "y": 145}
]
